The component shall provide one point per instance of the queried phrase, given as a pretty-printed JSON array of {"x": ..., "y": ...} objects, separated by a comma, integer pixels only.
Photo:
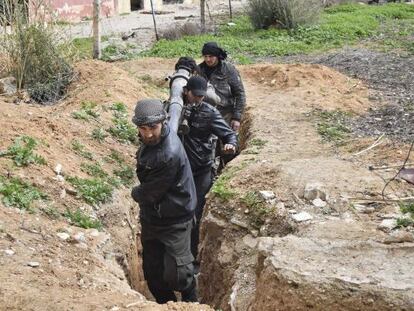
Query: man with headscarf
[
  {"x": 227, "y": 83},
  {"x": 167, "y": 201}
]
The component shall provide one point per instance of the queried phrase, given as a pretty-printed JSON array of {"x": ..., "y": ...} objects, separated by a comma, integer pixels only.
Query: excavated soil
[{"x": 250, "y": 260}]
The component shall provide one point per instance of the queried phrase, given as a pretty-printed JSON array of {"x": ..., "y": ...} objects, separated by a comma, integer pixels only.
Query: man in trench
[
  {"x": 227, "y": 92},
  {"x": 167, "y": 200},
  {"x": 204, "y": 122}
]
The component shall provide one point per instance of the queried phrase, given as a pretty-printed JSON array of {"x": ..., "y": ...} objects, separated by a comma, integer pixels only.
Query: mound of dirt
[{"x": 319, "y": 81}]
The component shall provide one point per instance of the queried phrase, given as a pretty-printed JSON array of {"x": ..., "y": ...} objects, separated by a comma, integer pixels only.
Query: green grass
[
  {"x": 80, "y": 219},
  {"x": 94, "y": 170},
  {"x": 407, "y": 207},
  {"x": 126, "y": 174},
  {"x": 339, "y": 26},
  {"x": 258, "y": 210},
  {"x": 122, "y": 129},
  {"x": 21, "y": 151},
  {"x": 99, "y": 134},
  {"x": 17, "y": 193},
  {"x": 221, "y": 187},
  {"x": 79, "y": 149},
  {"x": 115, "y": 156},
  {"x": 257, "y": 142},
  {"x": 88, "y": 110},
  {"x": 84, "y": 46},
  {"x": 404, "y": 222},
  {"x": 331, "y": 125},
  {"x": 94, "y": 190}
]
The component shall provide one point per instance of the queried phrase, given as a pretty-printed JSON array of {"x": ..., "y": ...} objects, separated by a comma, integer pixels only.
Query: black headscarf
[{"x": 211, "y": 48}]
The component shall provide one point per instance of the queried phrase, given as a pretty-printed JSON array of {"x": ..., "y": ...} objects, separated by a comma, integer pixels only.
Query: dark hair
[
  {"x": 187, "y": 63},
  {"x": 211, "y": 48}
]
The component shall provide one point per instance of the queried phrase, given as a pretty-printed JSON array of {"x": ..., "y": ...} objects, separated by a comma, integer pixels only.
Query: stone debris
[
  {"x": 319, "y": 203},
  {"x": 79, "y": 237},
  {"x": 364, "y": 209},
  {"x": 239, "y": 223},
  {"x": 302, "y": 216},
  {"x": 399, "y": 236},
  {"x": 267, "y": 195},
  {"x": 58, "y": 169},
  {"x": 314, "y": 191},
  {"x": 33, "y": 264},
  {"x": 9, "y": 252},
  {"x": 387, "y": 225},
  {"x": 63, "y": 236}
]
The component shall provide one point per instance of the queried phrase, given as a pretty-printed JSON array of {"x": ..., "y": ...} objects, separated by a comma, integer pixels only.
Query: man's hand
[
  {"x": 235, "y": 125},
  {"x": 229, "y": 149}
]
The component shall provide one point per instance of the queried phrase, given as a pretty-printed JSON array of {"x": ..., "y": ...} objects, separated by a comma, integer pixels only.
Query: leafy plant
[
  {"x": 94, "y": 170},
  {"x": 21, "y": 151},
  {"x": 126, "y": 174},
  {"x": 99, "y": 134},
  {"x": 79, "y": 149},
  {"x": 94, "y": 190},
  {"x": 80, "y": 219},
  {"x": 221, "y": 187},
  {"x": 407, "y": 207},
  {"x": 19, "y": 194},
  {"x": 88, "y": 109},
  {"x": 123, "y": 130},
  {"x": 258, "y": 142},
  {"x": 404, "y": 222}
]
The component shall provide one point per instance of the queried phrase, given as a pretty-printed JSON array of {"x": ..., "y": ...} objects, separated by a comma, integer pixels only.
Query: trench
[{"x": 131, "y": 261}]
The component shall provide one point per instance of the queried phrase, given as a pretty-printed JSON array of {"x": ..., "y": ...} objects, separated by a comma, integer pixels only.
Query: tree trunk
[
  {"x": 203, "y": 15},
  {"x": 96, "y": 29}
]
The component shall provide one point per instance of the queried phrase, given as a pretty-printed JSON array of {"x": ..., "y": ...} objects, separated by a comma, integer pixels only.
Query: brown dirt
[
  {"x": 72, "y": 276},
  {"x": 280, "y": 98}
]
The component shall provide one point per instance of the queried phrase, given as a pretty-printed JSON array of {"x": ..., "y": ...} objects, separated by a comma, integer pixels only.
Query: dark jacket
[
  {"x": 228, "y": 85},
  {"x": 204, "y": 122},
  {"x": 166, "y": 194}
]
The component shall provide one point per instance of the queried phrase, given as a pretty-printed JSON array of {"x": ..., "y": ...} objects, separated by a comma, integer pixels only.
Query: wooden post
[
  {"x": 96, "y": 29},
  {"x": 153, "y": 19},
  {"x": 203, "y": 15},
  {"x": 231, "y": 12}
]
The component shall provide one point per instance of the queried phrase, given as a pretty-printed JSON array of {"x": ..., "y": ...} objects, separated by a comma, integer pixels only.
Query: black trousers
[
  {"x": 203, "y": 180},
  {"x": 168, "y": 262}
]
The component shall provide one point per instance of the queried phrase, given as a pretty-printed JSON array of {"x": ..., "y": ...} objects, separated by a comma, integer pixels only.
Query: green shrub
[
  {"x": 21, "y": 151},
  {"x": 284, "y": 14},
  {"x": 80, "y": 219},
  {"x": 126, "y": 174},
  {"x": 38, "y": 57},
  {"x": 332, "y": 126},
  {"x": 88, "y": 109},
  {"x": 94, "y": 170},
  {"x": 94, "y": 190},
  {"x": 258, "y": 210},
  {"x": 19, "y": 194},
  {"x": 99, "y": 134}
]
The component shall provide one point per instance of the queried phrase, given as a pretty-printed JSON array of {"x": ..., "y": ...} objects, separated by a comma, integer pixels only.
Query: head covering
[
  {"x": 197, "y": 85},
  {"x": 211, "y": 48},
  {"x": 149, "y": 111}
]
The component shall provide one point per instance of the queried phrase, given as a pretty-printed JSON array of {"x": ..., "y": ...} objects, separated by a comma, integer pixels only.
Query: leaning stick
[{"x": 376, "y": 143}]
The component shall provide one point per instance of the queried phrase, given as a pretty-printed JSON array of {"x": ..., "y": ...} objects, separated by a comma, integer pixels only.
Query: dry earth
[{"x": 337, "y": 260}]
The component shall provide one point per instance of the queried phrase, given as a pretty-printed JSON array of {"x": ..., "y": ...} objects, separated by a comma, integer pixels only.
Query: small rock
[
  {"x": 387, "y": 225},
  {"x": 71, "y": 191},
  {"x": 63, "y": 236},
  {"x": 318, "y": 202},
  {"x": 249, "y": 241},
  {"x": 58, "y": 169},
  {"x": 267, "y": 195},
  {"x": 59, "y": 178},
  {"x": 399, "y": 237},
  {"x": 231, "y": 24},
  {"x": 33, "y": 264},
  {"x": 62, "y": 194},
  {"x": 302, "y": 216},
  {"x": 263, "y": 230},
  {"x": 292, "y": 211},
  {"x": 82, "y": 245},
  {"x": 79, "y": 237},
  {"x": 364, "y": 209},
  {"x": 254, "y": 233},
  {"x": 239, "y": 223},
  {"x": 9, "y": 252},
  {"x": 246, "y": 211},
  {"x": 314, "y": 190},
  {"x": 92, "y": 232}
]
